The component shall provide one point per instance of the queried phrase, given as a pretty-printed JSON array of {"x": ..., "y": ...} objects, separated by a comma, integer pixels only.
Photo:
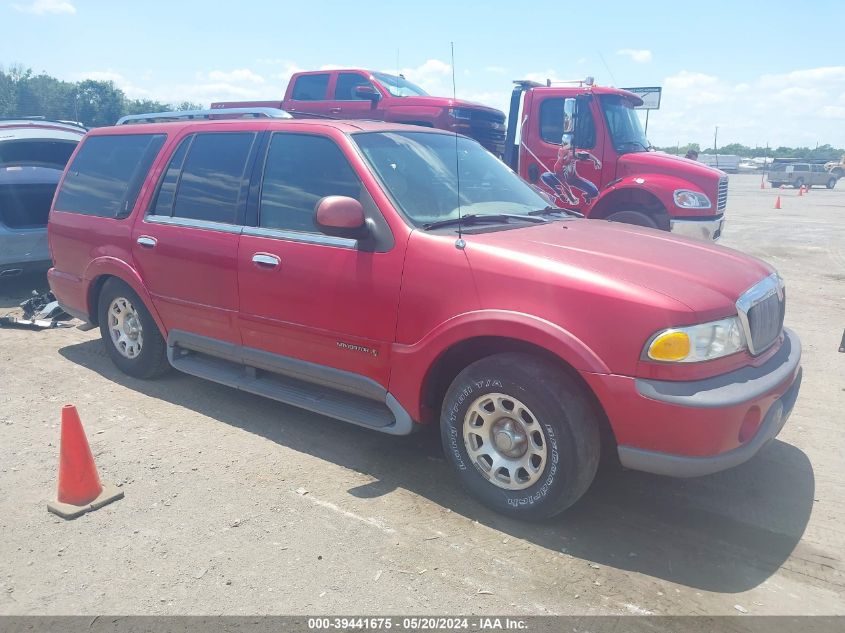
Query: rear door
[
  {"x": 186, "y": 246},
  {"x": 305, "y": 295},
  {"x": 310, "y": 94}
]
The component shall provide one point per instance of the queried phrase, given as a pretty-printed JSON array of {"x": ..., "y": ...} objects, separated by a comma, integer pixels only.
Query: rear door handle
[
  {"x": 266, "y": 260},
  {"x": 147, "y": 241}
]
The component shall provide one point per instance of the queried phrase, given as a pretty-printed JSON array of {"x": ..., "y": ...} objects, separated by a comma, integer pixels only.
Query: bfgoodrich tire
[
  {"x": 130, "y": 333},
  {"x": 521, "y": 435}
]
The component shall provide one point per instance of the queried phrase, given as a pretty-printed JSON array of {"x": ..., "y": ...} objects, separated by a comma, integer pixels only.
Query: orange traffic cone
[
  {"x": 762, "y": 183},
  {"x": 801, "y": 191},
  {"x": 777, "y": 203},
  {"x": 80, "y": 489}
]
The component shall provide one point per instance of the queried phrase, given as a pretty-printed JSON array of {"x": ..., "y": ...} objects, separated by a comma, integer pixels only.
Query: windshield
[
  {"x": 399, "y": 86},
  {"x": 626, "y": 132},
  {"x": 419, "y": 170}
]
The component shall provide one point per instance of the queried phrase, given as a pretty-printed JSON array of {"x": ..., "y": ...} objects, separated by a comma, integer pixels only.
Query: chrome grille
[
  {"x": 761, "y": 310},
  {"x": 722, "y": 199}
]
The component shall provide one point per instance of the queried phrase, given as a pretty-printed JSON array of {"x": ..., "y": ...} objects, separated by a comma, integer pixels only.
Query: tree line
[
  {"x": 822, "y": 152},
  {"x": 92, "y": 103}
]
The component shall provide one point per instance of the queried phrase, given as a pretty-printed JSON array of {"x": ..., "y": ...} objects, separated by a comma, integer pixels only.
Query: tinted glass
[
  {"x": 420, "y": 171},
  {"x": 344, "y": 89},
  {"x": 311, "y": 87},
  {"x": 299, "y": 171},
  {"x": 163, "y": 203},
  {"x": 551, "y": 122},
  {"x": 107, "y": 173},
  {"x": 626, "y": 131},
  {"x": 212, "y": 177},
  {"x": 802, "y": 168}
]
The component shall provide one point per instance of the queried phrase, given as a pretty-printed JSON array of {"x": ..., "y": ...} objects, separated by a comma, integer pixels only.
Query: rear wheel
[
  {"x": 130, "y": 333},
  {"x": 521, "y": 435},
  {"x": 798, "y": 183},
  {"x": 831, "y": 183},
  {"x": 776, "y": 185},
  {"x": 637, "y": 218}
]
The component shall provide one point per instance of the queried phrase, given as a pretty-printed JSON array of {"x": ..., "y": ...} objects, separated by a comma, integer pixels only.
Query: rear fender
[{"x": 113, "y": 267}]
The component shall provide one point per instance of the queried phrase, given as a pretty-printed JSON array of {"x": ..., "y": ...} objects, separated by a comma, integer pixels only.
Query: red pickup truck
[
  {"x": 367, "y": 94},
  {"x": 394, "y": 277}
]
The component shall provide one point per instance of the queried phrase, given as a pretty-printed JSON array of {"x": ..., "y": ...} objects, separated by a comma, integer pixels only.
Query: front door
[
  {"x": 186, "y": 246},
  {"x": 305, "y": 295},
  {"x": 348, "y": 104},
  {"x": 547, "y": 157}
]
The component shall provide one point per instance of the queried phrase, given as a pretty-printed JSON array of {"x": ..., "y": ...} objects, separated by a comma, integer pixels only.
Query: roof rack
[
  {"x": 217, "y": 113},
  {"x": 38, "y": 120},
  {"x": 527, "y": 83}
]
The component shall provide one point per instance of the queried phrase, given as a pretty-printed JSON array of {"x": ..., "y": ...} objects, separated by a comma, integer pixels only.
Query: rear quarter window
[{"x": 106, "y": 175}]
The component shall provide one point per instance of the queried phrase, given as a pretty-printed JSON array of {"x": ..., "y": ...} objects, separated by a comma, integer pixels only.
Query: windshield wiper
[
  {"x": 624, "y": 143},
  {"x": 556, "y": 210},
  {"x": 481, "y": 218}
]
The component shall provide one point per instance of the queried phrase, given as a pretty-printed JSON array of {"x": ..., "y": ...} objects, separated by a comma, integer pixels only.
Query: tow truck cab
[{"x": 611, "y": 171}]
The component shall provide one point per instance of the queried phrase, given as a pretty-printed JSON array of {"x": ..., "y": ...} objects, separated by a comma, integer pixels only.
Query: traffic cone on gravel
[
  {"x": 777, "y": 202},
  {"x": 80, "y": 489}
]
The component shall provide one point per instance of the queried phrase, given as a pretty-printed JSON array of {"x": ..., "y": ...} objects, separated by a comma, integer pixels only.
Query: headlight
[
  {"x": 461, "y": 113},
  {"x": 691, "y": 199},
  {"x": 697, "y": 343}
]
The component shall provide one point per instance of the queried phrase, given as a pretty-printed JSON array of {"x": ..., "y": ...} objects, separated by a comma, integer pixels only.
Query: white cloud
[
  {"x": 795, "y": 108},
  {"x": 641, "y": 56},
  {"x": 43, "y": 7},
  {"x": 496, "y": 70},
  {"x": 239, "y": 75}
]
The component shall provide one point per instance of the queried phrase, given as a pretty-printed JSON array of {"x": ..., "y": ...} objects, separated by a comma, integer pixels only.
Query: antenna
[
  {"x": 609, "y": 72},
  {"x": 460, "y": 243}
]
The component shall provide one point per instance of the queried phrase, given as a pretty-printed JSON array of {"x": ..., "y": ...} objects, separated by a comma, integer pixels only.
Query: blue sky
[{"x": 747, "y": 67}]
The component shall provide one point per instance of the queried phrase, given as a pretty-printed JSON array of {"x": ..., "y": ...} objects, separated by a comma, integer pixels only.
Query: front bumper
[
  {"x": 708, "y": 229},
  {"x": 694, "y": 428}
]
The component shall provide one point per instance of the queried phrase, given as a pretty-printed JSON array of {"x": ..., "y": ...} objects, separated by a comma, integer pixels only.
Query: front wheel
[
  {"x": 521, "y": 435},
  {"x": 637, "y": 218},
  {"x": 798, "y": 183},
  {"x": 831, "y": 183},
  {"x": 130, "y": 333}
]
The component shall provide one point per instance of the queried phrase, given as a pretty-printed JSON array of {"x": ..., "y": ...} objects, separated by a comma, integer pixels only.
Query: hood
[
  {"x": 636, "y": 163},
  {"x": 444, "y": 102},
  {"x": 706, "y": 278}
]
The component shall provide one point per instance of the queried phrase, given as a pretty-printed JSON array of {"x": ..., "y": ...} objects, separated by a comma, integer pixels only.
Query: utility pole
[{"x": 716, "y": 145}]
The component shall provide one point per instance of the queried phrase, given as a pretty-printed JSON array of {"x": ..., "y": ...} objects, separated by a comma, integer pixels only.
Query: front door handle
[
  {"x": 334, "y": 110},
  {"x": 147, "y": 241},
  {"x": 266, "y": 260}
]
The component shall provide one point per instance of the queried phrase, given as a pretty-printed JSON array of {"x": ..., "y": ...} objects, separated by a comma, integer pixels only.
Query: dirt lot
[{"x": 239, "y": 505}]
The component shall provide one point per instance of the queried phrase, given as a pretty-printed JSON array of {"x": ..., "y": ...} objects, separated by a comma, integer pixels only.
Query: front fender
[
  {"x": 658, "y": 186},
  {"x": 412, "y": 363},
  {"x": 114, "y": 267}
]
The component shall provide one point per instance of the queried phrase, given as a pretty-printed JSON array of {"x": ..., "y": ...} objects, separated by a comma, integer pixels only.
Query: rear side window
[
  {"x": 300, "y": 170},
  {"x": 212, "y": 177},
  {"x": 107, "y": 173},
  {"x": 311, "y": 87}
]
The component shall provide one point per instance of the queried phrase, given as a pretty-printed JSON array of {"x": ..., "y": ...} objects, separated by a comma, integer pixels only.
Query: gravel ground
[{"x": 239, "y": 505}]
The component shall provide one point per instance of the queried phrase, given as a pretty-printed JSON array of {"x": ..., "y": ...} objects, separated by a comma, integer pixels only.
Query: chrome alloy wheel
[
  {"x": 127, "y": 335},
  {"x": 505, "y": 441}
]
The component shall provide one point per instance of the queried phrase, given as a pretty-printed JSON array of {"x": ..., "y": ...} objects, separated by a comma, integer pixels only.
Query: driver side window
[{"x": 551, "y": 122}]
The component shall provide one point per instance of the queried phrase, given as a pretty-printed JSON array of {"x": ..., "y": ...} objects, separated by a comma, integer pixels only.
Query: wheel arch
[
  {"x": 624, "y": 198},
  {"x": 461, "y": 354},
  {"x": 100, "y": 271}
]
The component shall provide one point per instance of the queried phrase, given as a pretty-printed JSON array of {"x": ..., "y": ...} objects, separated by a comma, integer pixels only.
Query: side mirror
[
  {"x": 341, "y": 216},
  {"x": 366, "y": 91}
]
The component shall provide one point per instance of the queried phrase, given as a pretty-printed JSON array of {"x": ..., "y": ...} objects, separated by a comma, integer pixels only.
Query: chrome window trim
[
  {"x": 756, "y": 294},
  {"x": 305, "y": 238},
  {"x": 194, "y": 224}
]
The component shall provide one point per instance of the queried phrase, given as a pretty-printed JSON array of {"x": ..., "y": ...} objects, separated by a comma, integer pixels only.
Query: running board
[{"x": 385, "y": 415}]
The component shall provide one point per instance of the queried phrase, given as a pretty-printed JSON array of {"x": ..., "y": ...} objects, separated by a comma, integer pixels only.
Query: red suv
[{"x": 393, "y": 276}]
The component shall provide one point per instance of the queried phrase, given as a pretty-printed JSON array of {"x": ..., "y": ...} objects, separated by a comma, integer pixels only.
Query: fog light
[{"x": 750, "y": 424}]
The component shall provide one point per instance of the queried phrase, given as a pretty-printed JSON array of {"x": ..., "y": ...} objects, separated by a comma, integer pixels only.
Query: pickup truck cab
[
  {"x": 366, "y": 94},
  {"x": 396, "y": 277}
]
